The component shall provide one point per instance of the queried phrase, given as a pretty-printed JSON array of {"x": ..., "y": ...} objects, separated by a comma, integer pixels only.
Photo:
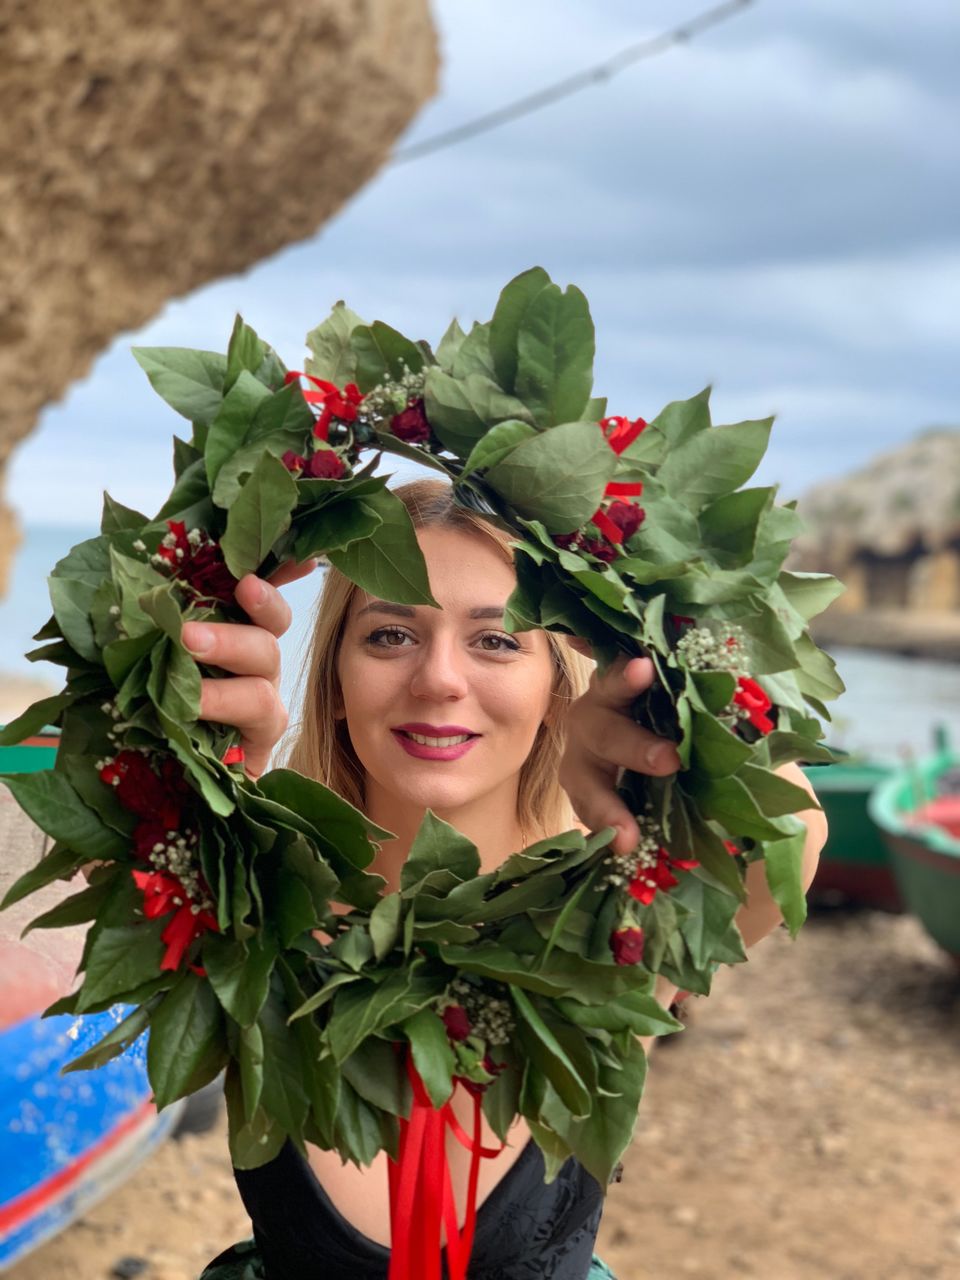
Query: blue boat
[{"x": 65, "y": 1140}]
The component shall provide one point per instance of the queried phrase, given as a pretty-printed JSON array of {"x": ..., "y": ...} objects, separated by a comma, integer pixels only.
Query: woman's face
[{"x": 444, "y": 673}]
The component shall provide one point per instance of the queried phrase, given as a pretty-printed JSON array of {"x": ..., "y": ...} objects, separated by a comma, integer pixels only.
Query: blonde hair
[{"x": 321, "y": 746}]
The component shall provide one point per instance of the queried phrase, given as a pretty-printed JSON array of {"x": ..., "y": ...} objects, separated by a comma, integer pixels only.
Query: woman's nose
[{"x": 441, "y": 671}]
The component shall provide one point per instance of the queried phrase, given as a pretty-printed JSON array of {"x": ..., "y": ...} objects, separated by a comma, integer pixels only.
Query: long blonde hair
[{"x": 321, "y": 746}]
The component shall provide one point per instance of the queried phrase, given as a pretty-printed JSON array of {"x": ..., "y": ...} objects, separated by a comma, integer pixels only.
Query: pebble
[{"x": 128, "y": 1267}]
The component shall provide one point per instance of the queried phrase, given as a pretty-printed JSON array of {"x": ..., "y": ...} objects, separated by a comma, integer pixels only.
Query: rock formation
[
  {"x": 148, "y": 148},
  {"x": 891, "y": 533}
]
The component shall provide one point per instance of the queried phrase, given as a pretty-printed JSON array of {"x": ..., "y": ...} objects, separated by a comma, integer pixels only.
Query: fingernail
[
  {"x": 197, "y": 638},
  {"x": 260, "y": 595},
  {"x": 657, "y": 756}
]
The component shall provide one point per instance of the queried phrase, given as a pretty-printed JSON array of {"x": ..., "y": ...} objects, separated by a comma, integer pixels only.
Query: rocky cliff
[{"x": 152, "y": 146}]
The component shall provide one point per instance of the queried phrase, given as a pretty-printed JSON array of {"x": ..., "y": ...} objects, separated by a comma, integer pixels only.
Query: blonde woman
[{"x": 508, "y": 737}]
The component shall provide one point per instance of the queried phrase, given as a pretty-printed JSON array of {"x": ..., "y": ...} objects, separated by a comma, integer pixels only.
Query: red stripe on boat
[{"x": 17, "y": 1211}]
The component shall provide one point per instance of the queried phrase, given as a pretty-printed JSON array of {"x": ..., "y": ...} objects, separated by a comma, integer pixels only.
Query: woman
[{"x": 413, "y": 708}]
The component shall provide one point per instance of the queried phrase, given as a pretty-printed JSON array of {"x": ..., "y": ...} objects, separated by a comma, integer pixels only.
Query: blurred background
[{"x": 760, "y": 196}]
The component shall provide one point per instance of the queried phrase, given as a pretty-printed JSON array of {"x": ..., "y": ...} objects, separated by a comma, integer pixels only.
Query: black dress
[{"x": 526, "y": 1229}]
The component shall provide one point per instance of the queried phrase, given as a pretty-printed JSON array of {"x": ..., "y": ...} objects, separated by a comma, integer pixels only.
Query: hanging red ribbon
[
  {"x": 619, "y": 433},
  {"x": 421, "y": 1190}
]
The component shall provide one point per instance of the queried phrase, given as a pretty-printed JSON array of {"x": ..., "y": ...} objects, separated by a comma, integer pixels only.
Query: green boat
[
  {"x": 855, "y": 866},
  {"x": 917, "y": 810}
]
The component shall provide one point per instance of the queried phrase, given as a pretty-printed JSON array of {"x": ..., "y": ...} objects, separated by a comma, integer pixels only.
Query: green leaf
[
  {"x": 254, "y": 1140},
  {"x": 389, "y": 563},
  {"x": 284, "y": 1094},
  {"x": 240, "y": 973},
  {"x": 508, "y": 319},
  {"x": 190, "y": 381},
  {"x": 555, "y": 349},
  {"x": 438, "y": 846},
  {"x": 36, "y": 717},
  {"x": 461, "y": 410},
  {"x": 77, "y": 909},
  {"x": 810, "y": 593},
  {"x": 432, "y": 1055},
  {"x": 333, "y": 528},
  {"x": 729, "y": 802},
  {"x": 333, "y": 358},
  {"x": 250, "y": 1059},
  {"x": 776, "y": 796},
  {"x": 715, "y": 462},
  {"x": 783, "y": 866},
  {"x": 449, "y": 345},
  {"x": 497, "y": 444},
  {"x": 361, "y": 1009},
  {"x": 382, "y": 353},
  {"x": 229, "y": 428},
  {"x": 548, "y": 1055},
  {"x": 187, "y": 1046},
  {"x": 730, "y": 525},
  {"x": 706, "y": 929},
  {"x": 474, "y": 355},
  {"x": 117, "y": 517},
  {"x": 113, "y": 1043},
  {"x": 258, "y": 517},
  {"x": 53, "y": 804},
  {"x": 376, "y": 1073},
  {"x": 601, "y": 1139},
  {"x": 245, "y": 352},
  {"x": 385, "y": 921},
  {"x": 60, "y": 863},
  {"x": 716, "y": 750},
  {"x": 174, "y": 682},
  {"x": 636, "y": 1011},
  {"x": 817, "y": 677},
  {"x": 558, "y": 477},
  {"x": 121, "y": 957},
  {"x": 678, "y": 422},
  {"x": 784, "y": 747}
]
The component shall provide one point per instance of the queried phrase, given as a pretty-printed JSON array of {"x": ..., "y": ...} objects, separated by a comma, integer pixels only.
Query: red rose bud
[
  {"x": 325, "y": 464},
  {"x": 627, "y": 516},
  {"x": 755, "y": 702},
  {"x": 411, "y": 425},
  {"x": 293, "y": 461},
  {"x": 456, "y": 1022},
  {"x": 566, "y": 540},
  {"x": 627, "y": 945},
  {"x": 602, "y": 550}
]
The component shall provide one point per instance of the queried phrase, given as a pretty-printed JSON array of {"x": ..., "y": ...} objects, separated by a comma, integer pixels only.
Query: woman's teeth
[{"x": 437, "y": 742}]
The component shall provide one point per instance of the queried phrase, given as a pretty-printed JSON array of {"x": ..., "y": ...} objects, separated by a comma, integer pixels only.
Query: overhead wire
[{"x": 580, "y": 80}]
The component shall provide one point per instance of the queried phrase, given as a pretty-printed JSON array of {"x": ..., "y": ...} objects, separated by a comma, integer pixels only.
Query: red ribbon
[
  {"x": 421, "y": 1190},
  {"x": 618, "y": 433},
  {"x": 234, "y": 755}
]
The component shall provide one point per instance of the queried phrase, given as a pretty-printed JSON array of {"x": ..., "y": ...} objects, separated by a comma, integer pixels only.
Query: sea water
[{"x": 889, "y": 710}]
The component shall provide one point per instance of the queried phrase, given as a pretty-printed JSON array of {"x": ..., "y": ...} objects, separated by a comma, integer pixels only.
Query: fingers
[
  {"x": 263, "y": 604},
  {"x": 622, "y": 682},
  {"x": 252, "y": 705},
  {"x": 590, "y": 786},
  {"x": 290, "y": 571},
  {"x": 235, "y": 647}
]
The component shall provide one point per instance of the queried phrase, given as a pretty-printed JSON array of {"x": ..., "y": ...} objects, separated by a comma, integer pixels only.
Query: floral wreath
[{"x": 529, "y": 984}]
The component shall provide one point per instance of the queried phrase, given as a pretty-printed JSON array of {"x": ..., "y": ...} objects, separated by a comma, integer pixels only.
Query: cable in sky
[{"x": 571, "y": 84}]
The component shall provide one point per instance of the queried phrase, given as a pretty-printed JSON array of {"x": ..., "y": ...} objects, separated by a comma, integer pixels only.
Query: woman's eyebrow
[{"x": 406, "y": 611}]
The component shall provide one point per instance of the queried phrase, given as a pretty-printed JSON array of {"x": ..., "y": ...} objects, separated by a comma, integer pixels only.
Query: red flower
[
  {"x": 602, "y": 550},
  {"x": 627, "y": 945},
  {"x": 649, "y": 880},
  {"x": 325, "y": 464},
  {"x": 158, "y": 798},
  {"x": 566, "y": 540},
  {"x": 755, "y": 702},
  {"x": 411, "y": 425},
  {"x": 627, "y": 516},
  {"x": 456, "y": 1022},
  {"x": 198, "y": 563},
  {"x": 162, "y": 894},
  {"x": 293, "y": 461}
]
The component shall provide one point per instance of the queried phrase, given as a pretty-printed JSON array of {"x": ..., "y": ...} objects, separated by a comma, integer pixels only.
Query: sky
[{"x": 770, "y": 208}]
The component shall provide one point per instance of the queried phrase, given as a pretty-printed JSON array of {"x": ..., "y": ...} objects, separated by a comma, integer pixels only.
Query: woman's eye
[
  {"x": 378, "y": 637},
  {"x": 504, "y": 642}
]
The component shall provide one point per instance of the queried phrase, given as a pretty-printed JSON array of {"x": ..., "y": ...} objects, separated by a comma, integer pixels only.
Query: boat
[
  {"x": 65, "y": 1140},
  {"x": 855, "y": 866},
  {"x": 917, "y": 810}
]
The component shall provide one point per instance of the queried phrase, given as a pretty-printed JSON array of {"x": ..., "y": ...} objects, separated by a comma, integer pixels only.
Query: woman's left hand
[{"x": 602, "y": 739}]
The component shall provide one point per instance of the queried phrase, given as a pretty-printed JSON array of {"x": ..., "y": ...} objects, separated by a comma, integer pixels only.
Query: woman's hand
[
  {"x": 251, "y": 701},
  {"x": 602, "y": 739}
]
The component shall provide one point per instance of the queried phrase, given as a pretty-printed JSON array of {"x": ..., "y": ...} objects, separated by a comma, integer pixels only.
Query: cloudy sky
[{"x": 771, "y": 208}]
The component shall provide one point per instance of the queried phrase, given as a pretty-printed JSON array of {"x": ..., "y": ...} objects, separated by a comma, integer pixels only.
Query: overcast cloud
[{"x": 771, "y": 208}]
